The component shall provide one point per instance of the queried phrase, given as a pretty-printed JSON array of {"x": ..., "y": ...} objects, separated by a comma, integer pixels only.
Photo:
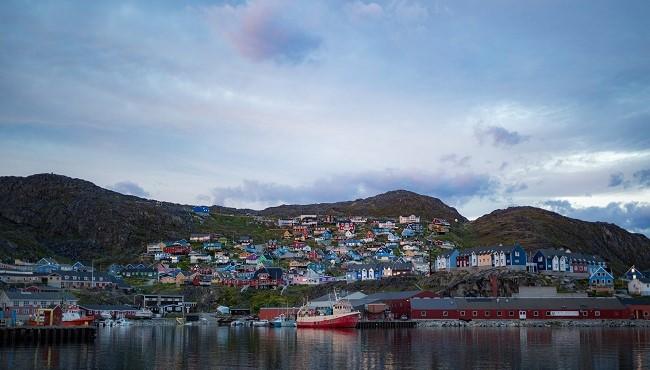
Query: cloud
[
  {"x": 643, "y": 178},
  {"x": 514, "y": 188},
  {"x": 360, "y": 10},
  {"x": 262, "y": 31},
  {"x": 615, "y": 179},
  {"x": 632, "y": 216},
  {"x": 450, "y": 188},
  {"x": 498, "y": 135},
  {"x": 129, "y": 188},
  {"x": 456, "y": 159}
]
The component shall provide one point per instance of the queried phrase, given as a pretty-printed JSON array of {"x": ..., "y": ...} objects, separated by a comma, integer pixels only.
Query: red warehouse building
[{"x": 518, "y": 309}]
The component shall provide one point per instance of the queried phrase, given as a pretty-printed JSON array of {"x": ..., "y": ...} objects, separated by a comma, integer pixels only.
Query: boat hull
[
  {"x": 83, "y": 321},
  {"x": 348, "y": 320}
]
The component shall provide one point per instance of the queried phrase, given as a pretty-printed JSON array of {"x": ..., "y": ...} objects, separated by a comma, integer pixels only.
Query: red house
[{"x": 177, "y": 249}]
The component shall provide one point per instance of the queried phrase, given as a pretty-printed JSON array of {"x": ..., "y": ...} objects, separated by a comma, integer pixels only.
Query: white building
[
  {"x": 639, "y": 286},
  {"x": 412, "y": 219}
]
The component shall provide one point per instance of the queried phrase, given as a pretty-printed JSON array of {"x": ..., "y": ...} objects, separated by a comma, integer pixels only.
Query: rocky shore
[{"x": 533, "y": 323}]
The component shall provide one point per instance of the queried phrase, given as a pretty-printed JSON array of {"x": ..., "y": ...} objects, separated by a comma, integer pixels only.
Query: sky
[{"x": 483, "y": 104}]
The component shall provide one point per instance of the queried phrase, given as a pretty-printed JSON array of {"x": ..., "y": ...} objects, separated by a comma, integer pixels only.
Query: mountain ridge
[{"x": 47, "y": 214}]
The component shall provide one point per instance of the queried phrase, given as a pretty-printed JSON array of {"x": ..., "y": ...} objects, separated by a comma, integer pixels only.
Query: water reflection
[{"x": 201, "y": 347}]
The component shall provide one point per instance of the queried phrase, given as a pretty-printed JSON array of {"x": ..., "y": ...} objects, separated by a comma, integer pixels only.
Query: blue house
[
  {"x": 552, "y": 260},
  {"x": 354, "y": 255},
  {"x": 363, "y": 272},
  {"x": 384, "y": 254},
  {"x": 601, "y": 278},
  {"x": 446, "y": 260},
  {"x": 326, "y": 235},
  {"x": 633, "y": 273},
  {"x": 201, "y": 210},
  {"x": 408, "y": 233}
]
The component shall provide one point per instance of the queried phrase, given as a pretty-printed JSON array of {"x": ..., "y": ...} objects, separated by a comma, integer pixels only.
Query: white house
[
  {"x": 412, "y": 219},
  {"x": 639, "y": 286}
]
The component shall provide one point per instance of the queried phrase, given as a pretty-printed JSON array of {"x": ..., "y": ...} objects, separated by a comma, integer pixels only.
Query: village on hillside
[{"x": 312, "y": 250}]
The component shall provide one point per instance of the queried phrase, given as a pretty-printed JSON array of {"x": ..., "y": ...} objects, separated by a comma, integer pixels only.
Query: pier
[
  {"x": 386, "y": 324},
  {"x": 47, "y": 334}
]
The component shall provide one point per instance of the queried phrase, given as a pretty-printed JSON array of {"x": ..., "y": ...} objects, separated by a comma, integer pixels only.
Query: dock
[
  {"x": 395, "y": 324},
  {"x": 47, "y": 334}
]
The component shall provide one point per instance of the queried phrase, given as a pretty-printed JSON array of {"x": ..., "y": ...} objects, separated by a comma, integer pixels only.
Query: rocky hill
[
  {"x": 390, "y": 204},
  {"x": 51, "y": 214},
  {"x": 43, "y": 215},
  {"x": 536, "y": 228}
]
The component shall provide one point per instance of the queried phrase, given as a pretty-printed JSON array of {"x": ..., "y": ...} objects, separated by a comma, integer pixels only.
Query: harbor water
[{"x": 214, "y": 347}]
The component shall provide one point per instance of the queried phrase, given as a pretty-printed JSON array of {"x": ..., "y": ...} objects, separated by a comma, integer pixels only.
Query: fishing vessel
[
  {"x": 72, "y": 316},
  {"x": 339, "y": 315}
]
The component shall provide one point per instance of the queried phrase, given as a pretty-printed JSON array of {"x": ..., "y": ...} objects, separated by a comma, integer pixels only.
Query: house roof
[
  {"x": 107, "y": 307},
  {"x": 394, "y": 295},
  {"x": 44, "y": 296},
  {"x": 517, "y": 303}
]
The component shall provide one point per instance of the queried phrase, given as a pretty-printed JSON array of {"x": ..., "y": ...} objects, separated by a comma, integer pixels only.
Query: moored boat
[
  {"x": 143, "y": 313},
  {"x": 261, "y": 323},
  {"x": 72, "y": 316},
  {"x": 339, "y": 315}
]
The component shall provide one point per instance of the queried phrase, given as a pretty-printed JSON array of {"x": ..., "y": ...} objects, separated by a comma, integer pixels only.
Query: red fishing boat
[
  {"x": 72, "y": 316},
  {"x": 339, "y": 315}
]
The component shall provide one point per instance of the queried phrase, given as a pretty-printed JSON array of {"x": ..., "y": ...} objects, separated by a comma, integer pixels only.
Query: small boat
[
  {"x": 283, "y": 321},
  {"x": 143, "y": 313},
  {"x": 339, "y": 315},
  {"x": 261, "y": 323},
  {"x": 122, "y": 322},
  {"x": 236, "y": 323}
]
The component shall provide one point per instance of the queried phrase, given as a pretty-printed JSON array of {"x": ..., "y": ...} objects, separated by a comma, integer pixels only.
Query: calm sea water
[{"x": 200, "y": 347}]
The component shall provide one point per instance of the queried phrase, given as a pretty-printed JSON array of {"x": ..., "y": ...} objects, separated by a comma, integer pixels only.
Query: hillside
[
  {"x": 536, "y": 228},
  {"x": 52, "y": 214},
  {"x": 390, "y": 204}
]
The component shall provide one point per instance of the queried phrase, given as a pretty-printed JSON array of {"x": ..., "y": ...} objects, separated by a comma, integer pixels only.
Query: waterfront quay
[{"x": 46, "y": 334}]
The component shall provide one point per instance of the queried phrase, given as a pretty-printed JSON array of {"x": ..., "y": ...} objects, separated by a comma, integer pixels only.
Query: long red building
[{"x": 518, "y": 309}]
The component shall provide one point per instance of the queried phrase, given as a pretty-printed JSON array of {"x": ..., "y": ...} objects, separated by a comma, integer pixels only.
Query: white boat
[
  {"x": 143, "y": 313},
  {"x": 237, "y": 323},
  {"x": 261, "y": 323},
  {"x": 122, "y": 322},
  {"x": 283, "y": 321}
]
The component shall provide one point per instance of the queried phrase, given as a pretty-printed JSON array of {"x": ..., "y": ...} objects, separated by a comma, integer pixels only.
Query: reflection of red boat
[{"x": 339, "y": 315}]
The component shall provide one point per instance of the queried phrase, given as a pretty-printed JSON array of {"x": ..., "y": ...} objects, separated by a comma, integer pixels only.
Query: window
[
  {"x": 499, "y": 313},
  {"x": 445, "y": 313},
  {"x": 548, "y": 313},
  {"x": 462, "y": 313},
  {"x": 487, "y": 313},
  {"x": 43, "y": 303},
  {"x": 423, "y": 313},
  {"x": 646, "y": 314},
  {"x": 25, "y": 303},
  {"x": 16, "y": 303},
  {"x": 511, "y": 313},
  {"x": 597, "y": 313},
  {"x": 516, "y": 253},
  {"x": 536, "y": 313},
  {"x": 584, "y": 313},
  {"x": 474, "y": 313}
]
